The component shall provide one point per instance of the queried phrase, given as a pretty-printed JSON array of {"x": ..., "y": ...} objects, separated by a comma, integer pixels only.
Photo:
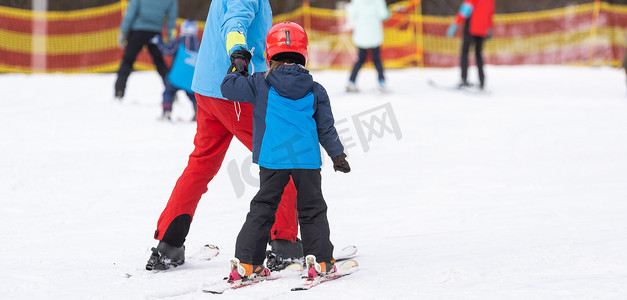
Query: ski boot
[
  {"x": 284, "y": 253},
  {"x": 166, "y": 115},
  {"x": 463, "y": 84},
  {"x": 165, "y": 256},
  {"x": 315, "y": 269},
  {"x": 119, "y": 94},
  {"x": 245, "y": 272},
  {"x": 382, "y": 87},
  {"x": 351, "y": 87}
]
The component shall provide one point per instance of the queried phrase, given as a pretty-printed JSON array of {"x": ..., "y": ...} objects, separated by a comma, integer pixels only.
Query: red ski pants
[{"x": 217, "y": 123}]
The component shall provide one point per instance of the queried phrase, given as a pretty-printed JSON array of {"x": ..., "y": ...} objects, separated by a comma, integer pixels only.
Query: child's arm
[
  {"x": 327, "y": 135},
  {"x": 168, "y": 49},
  {"x": 239, "y": 88}
]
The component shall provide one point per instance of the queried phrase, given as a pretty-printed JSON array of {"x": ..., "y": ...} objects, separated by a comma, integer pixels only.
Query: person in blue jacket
[
  {"x": 231, "y": 25},
  {"x": 184, "y": 49},
  {"x": 292, "y": 117},
  {"x": 142, "y": 21}
]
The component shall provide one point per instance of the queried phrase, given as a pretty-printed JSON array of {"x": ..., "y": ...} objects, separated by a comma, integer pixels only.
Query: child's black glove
[
  {"x": 239, "y": 61},
  {"x": 340, "y": 163}
]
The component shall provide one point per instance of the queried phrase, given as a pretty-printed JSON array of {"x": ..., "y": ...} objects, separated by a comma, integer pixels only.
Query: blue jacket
[
  {"x": 253, "y": 18},
  {"x": 185, "y": 52},
  {"x": 148, "y": 15},
  {"x": 291, "y": 117}
]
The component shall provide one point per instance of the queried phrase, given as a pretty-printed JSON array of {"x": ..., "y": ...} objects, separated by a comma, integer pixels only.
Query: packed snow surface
[{"x": 516, "y": 193}]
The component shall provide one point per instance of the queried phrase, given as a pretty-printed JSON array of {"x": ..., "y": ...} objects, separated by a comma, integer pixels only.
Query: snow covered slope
[{"x": 517, "y": 194}]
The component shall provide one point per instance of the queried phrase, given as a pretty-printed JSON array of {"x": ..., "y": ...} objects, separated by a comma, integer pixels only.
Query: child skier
[
  {"x": 184, "y": 50},
  {"x": 292, "y": 117}
]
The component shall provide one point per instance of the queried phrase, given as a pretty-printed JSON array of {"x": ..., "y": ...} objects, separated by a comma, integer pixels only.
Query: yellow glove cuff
[
  {"x": 172, "y": 35},
  {"x": 234, "y": 38}
]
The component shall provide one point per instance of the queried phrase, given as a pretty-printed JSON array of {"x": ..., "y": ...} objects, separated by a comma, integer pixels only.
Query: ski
[
  {"x": 221, "y": 287},
  {"x": 346, "y": 253},
  {"x": 470, "y": 89},
  {"x": 347, "y": 267},
  {"x": 205, "y": 253}
]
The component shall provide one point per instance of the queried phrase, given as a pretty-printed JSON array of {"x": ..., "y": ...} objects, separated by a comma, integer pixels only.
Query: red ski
[{"x": 347, "y": 267}]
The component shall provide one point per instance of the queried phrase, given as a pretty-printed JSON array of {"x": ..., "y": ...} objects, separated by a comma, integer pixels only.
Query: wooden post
[
  {"x": 39, "y": 49},
  {"x": 307, "y": 16},
  {"x": 419, "y": 36},
  {"x": 593, "y": 30}
]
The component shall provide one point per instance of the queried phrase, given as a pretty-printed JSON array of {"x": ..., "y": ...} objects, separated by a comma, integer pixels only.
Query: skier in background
[
  {"x": 368, "y": 17},
  {"x": 231, "y": 25},
  {"x": 142, "y": 21},
  {"x": 184, "y": 49},
  {"x": 477, "y": 17},
  {"x": 289, "y": 109}
]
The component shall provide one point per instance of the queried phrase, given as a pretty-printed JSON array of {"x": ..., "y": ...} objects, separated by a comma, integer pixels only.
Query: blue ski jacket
[
  {"x": 148, "y": 15},
  {"x": 252, "y": 18},
  {"x": 291, "y": 117},
  {"x": 185, "y": 52}
]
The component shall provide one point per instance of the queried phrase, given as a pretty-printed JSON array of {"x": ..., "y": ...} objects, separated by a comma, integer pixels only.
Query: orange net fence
[{"x": 85, "y": 40}]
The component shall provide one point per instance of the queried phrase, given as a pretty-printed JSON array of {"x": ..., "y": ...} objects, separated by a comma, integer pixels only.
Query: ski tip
[
  {"x": 349, "y": 248},
  {"x": 211, "y": 246},
  {"x": 348, "y": 264},
  {"x": 295, "y": 267}
]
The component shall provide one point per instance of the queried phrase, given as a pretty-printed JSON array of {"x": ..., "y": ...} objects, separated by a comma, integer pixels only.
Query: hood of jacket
[{"x": 291, "y": 81}]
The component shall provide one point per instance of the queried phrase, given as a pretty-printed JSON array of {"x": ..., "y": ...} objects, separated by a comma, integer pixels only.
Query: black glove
[
  {"x": 239, "y": 61},
  {"x": 340, "y": 163}
]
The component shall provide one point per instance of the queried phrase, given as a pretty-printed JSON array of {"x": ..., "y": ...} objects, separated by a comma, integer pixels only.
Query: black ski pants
[
  {"x": 467, "y": 41},
  {"x": 254, "y": 236},
  {"x": 136, "y": 40},
  {"x": 376, "y": 59}
]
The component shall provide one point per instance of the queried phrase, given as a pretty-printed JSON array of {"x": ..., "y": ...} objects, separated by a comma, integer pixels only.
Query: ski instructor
[{"x": 231, "y": 25}]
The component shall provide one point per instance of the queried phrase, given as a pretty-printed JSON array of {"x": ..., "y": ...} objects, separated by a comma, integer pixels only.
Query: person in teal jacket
[
  {"x": 367, "y": 17},
  {"x": 142, "y": 21}
]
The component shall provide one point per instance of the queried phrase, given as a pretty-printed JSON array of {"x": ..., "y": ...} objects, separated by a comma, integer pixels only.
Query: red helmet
[{"x": 288, "y": 38}]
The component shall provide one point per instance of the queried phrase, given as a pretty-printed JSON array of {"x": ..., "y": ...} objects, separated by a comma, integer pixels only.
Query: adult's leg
[
  {"x": 465, "y": 49},
  {"x": 252, "y": 239},
  {"x": 479, "y": 58},
  {"x": 286, "y": 225},
  {"x": 211, "y": 142},
  {"x": 134, "y": 44},
  {"x": 312, "y": 213},
  {"x": 157, "y": 58},
  {"x": 376, "y": 59},
  {"x": 192, "y": 98},
  {"x": 360, "y": 61}
]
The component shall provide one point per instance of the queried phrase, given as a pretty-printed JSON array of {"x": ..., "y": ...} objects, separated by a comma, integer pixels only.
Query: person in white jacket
[{"x": 367, "y": 17}]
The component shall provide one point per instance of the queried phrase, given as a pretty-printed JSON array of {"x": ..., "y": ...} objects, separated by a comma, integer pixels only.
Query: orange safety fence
[{"x": 85, "y": 40}]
